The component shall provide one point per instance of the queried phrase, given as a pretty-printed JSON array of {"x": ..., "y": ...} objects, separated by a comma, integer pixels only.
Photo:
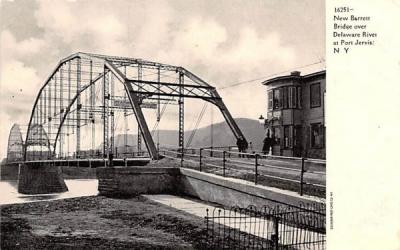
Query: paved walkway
[{"x": 191, "y": 206}]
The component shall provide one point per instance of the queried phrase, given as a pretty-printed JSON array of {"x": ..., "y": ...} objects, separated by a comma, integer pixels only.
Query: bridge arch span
[
  {"x": 15, "y": 147},
  {"x": 81, "y": 95}
]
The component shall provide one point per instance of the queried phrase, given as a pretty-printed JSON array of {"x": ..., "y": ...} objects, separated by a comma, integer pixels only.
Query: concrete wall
[
  {"x": 208, "y": 187},
  {"x": 232, "y": 192},
  {"x": 130, "y": 181},
  {"x": 9, "y": 172}
]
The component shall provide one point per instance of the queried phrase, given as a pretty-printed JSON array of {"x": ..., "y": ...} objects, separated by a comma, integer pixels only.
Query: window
[
  {"x": 270, "y": 100},
  {"x": 315, "y": 95},
  {"x": 288, "y": 136},
  {"x": 297, "y": 136},
  {"x": 285, "y": 97},
  {"x": 299, "y": 97},
  {"x": 317, "y": 135},
  {"x": 277, "y": 99},
  {"x": 292, "y": 97},
  {"x": 276, "y": 135}
]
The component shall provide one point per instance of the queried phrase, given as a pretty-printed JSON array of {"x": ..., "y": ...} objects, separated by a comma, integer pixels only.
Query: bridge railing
[
  {"x": 299, "y": 174},
  {"x": 90, "y": 159}
]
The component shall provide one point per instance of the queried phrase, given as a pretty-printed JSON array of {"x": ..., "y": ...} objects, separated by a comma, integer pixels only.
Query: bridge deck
[{"x": 90, "y": 162}]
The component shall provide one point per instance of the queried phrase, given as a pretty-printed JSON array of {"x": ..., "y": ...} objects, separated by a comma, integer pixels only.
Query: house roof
[{"x": 294, "y": 75}]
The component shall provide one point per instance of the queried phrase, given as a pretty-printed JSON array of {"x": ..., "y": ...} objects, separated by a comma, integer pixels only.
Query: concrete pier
[
  {"x": 40, "y": 179},
  {"x": 9, "y": 172}
]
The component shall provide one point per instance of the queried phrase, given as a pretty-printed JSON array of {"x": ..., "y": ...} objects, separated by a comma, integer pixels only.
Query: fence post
[
  {"x": 201, "y": 150},
  {"x": 207, "y": 240},
  {"x": 275, "y": 237},
  {"x": 211, "y": 151},
  {"x": 223, "y": 163},
  {"x": 182, "y": 150},
  {"x": 301, "y": 176},
  {"x": 256, "y": 168}
]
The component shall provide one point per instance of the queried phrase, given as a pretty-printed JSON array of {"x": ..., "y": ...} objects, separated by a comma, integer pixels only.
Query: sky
[{"x": 224, "y": 42}]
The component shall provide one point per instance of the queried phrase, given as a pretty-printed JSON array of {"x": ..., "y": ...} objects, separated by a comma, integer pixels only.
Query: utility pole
[
  {"x": 139, "y": 135},
  {"x": 106, "y": 97},
  {"x": 181, "y": 113}
]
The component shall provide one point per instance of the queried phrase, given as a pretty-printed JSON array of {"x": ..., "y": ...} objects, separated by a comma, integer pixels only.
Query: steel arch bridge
[
  {"x": 15, "y": 147},
  {"x": 86, "y": 91}
]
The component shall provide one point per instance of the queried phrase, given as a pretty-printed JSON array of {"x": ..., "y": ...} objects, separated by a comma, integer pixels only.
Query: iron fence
[
  {"x": 299, "y": 174},
  {"x": 266, "y": 228}
]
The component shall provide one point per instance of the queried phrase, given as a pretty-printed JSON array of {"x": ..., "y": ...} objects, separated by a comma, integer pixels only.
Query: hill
[{"x": 252, "y": 130}]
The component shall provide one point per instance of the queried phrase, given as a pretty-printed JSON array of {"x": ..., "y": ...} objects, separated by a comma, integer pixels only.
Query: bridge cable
[
  {"x": 158, "y": 122},
  {"x": 197, "y": 125}
]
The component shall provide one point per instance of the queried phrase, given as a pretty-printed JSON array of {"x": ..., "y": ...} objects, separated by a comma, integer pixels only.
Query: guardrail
[{"x": 262, "y": 168}]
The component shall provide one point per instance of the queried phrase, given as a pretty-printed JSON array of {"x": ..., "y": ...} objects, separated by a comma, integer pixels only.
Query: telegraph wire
[{"x": 264, "y": 77}]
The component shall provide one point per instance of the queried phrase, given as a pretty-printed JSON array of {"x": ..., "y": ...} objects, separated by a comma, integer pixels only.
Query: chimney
[{"x": 295, "y": 73}]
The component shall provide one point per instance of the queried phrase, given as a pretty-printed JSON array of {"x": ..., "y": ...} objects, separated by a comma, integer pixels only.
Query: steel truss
[{"x": 77, "y": 93}]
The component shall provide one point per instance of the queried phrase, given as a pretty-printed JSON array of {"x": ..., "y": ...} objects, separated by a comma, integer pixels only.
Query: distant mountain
[{"x": 223, "y": 136}]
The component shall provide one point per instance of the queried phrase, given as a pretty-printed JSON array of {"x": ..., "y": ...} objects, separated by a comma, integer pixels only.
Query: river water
[{"x": 76, "y": 188}]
